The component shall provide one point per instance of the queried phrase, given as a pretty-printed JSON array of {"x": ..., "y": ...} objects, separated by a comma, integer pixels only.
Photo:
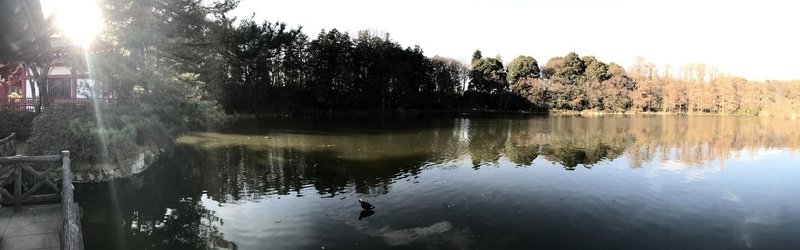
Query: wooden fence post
[
  {"x": 13, "y": 143},
  {"x": 17, "y": 187},
  {"x": 72, "y": 238}
]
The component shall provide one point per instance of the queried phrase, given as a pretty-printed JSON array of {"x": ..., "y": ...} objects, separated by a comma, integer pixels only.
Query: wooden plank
[
  {"x": 36, "y": 199},
  {"x": 5, "y": 192},
  {"x": 42, "y": 178},
  {"x": 6, "y": 173},
  {"x": 22, "y": 159}
]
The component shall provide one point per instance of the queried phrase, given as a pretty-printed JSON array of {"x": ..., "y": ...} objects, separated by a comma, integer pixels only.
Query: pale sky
[{"x": 755, "y": 39}]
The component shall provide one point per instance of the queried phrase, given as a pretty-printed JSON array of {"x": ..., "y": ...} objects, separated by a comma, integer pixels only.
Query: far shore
[
  {"x": 489, "y": 112},
  {"x": 602, "y": 113}
]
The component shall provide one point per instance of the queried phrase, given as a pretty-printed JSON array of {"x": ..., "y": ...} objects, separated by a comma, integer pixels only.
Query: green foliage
[
  {"x": 280, "y": 70},
  {"x": 254, "y": 54},
  {"x": 18, "y": 122},
  {"x": 180, "y": 105},
  {"x": 164, "y": 48},
  {"x": 65, "y": 128},
  {"x": 75, "y": 129},
  {"x": 566, "y": 96},
  {"x": 159, "y": 69},
  {"x": 488, "y": 76},
  {"x": 448, "y": 76},
  {"x": 476, "y": 56},
  {"x": 596, "y": 71},
  {"x": 125, "y": 127},
  {"x": 522, "y": 67},
  {"x": 571, "y": 70},
  {"x": 331, "y": 61}
]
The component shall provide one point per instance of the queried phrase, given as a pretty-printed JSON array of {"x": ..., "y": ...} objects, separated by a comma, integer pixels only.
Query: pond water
[{"x": 469, "y": 182}]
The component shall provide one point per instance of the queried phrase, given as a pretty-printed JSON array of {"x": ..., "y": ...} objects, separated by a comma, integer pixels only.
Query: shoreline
[
  {"x": 479, "y": 112},
  {"x": 603, "y": 113}
]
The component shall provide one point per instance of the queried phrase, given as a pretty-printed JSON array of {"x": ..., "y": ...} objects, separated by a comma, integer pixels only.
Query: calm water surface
[{"x": 640, "y": 182}]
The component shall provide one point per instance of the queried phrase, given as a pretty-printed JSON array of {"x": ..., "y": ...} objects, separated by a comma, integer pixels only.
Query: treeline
[
  {"x": 698, "y": 88},
  {"x": 183, "y": 60},
  {"x": 187, "y": 58},
  {"x": 272, "y": 68}
]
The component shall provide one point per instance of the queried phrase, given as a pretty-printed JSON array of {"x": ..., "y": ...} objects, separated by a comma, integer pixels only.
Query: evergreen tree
[{"x": 522, "y": 67}]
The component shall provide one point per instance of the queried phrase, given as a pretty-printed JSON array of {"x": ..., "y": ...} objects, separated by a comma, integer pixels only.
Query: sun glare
[{"x": 78, "y": 20}]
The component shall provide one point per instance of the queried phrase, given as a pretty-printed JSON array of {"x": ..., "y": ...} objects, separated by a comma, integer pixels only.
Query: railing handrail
[
  {"x": 8, "y": 145},
  {"x": 29, "y": 103},
  {"x": 23, "y": 159},
  {"x": 14, "y": 167}
]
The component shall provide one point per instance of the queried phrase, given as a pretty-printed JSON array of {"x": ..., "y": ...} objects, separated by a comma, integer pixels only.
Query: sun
[{"x": 78, "y": 20}]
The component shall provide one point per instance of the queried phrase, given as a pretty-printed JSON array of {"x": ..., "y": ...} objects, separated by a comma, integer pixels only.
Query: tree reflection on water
[{"x": 332, "y": 158}]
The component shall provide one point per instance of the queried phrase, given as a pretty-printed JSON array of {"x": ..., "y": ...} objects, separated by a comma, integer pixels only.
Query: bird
[{"x": 365, "y": 205}]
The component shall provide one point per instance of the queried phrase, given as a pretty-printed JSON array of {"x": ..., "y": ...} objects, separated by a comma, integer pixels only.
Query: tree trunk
[
  {"x": 44, "y": 99},
  {"x": 41, "y": 81},
  {"x": 32, "y": 83}
]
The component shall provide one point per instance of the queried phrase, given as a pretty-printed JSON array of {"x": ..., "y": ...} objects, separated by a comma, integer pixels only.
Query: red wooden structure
[
  {"x": 13, "y": 77},
  {"x": 62, "y": 81}
]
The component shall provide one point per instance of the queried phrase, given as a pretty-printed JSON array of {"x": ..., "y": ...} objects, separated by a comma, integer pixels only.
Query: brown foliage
[{"x": 698, "y": 89}]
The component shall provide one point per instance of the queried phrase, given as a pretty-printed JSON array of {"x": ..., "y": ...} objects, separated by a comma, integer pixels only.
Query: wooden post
[
  {"x": 7, "y": 145},
  {"x": 71, "y": 236},
  {"x": 13, "y": 144},
  {"x": 17, "y": 187}
]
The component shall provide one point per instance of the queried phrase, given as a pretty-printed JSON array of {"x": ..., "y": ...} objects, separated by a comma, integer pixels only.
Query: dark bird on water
[{"x": 365, "y": 205}]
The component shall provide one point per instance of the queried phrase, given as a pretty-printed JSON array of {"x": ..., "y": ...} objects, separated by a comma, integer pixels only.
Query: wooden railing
[
  {"x": 8, "y": 145},
  {"x": 71, "y": 235},
  {"x": 29, "y": 104},
  {"x": 28, "y": 174}
]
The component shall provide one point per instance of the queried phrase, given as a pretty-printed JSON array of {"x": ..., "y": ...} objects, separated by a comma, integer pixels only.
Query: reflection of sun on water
[{"x": 79, "y": 20}]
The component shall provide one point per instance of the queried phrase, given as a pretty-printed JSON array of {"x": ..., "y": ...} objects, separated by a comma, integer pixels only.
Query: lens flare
[{"x": 78, "y": 20}]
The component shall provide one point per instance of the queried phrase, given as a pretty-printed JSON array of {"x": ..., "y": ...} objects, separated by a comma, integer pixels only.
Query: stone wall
[{"x": 123, "y": 166}]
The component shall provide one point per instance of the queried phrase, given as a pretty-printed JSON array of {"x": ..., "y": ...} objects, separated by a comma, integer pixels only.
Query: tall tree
[
  {"x": 571, "y": 70},
  {"x": 160, "y": 49},
  {"x": 522, "y": 67},
  {"x": 331, "y": 68},
  {"x": 596, "y": 71},
  {"x": 448, "y": 74},
  {"x": 488, "y": 76},
  {"x": 476, "y": 56},
  {"x": 259, "y": 57}
]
